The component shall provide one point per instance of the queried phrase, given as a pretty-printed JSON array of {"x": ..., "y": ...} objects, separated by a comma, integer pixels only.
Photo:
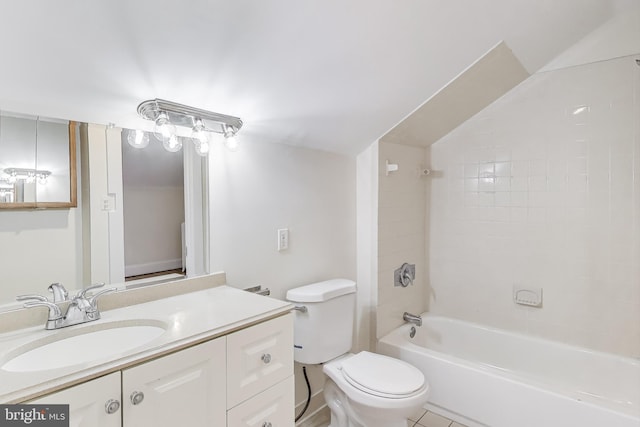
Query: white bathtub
[{"x": 482, "y": 376}]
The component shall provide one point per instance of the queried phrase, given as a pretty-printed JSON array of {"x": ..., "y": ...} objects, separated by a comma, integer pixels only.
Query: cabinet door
[
  {"x": 89, "y": 402},
  {"x": 258, "y": 358},
  {"x": 273, "y": 407},
  {"x": 186, "y": 388}
]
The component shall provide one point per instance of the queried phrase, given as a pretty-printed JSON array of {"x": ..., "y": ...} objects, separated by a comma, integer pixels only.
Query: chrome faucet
[
  {"x": 412, "y": 318},
  {"x": 81, "y": 308},
  {"x": 59, "y": 292}
]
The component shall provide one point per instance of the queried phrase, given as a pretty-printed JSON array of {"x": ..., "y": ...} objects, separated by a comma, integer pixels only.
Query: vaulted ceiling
[{"x": 330, "y": 75}]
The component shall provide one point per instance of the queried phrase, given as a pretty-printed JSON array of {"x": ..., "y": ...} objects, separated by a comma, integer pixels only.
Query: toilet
[{"x": 363, "y": 389}]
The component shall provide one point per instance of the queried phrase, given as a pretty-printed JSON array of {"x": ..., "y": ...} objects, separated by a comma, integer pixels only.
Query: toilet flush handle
[{"x": 300, "y": 308}]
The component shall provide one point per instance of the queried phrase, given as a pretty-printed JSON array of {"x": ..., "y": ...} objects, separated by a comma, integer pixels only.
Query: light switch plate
[{"x": 283, "y": 239}]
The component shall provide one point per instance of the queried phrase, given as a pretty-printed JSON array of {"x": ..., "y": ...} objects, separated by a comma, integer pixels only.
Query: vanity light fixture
[
  {"x": 6, "y": 194},
  {"x": 169, "y": 115},
  {"x": 26, "y": 175},
  {"x": 173, "y": 144},
  {"x": 138, "y": 138},
  {"x": 163, "y": 129},
  {"x": 200, "y": 138},
  {"x": 230, "y": 140}
]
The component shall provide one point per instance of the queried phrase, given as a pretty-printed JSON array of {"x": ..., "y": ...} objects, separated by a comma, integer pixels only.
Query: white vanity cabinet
[
  {"x": 95, "y": 403},
  {"x": 239, "y": 380},
  {"x": 183, "y": 388},
  {"x": 273, "y": 407},
  {"x": 260, "y": 375}
]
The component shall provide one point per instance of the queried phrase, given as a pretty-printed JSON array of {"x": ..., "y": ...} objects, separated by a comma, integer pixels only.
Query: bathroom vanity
[{"x": 213, "y": 357}]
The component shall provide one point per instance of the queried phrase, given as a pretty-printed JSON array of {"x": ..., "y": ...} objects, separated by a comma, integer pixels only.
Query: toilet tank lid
[{"x": 322, "y": 291}]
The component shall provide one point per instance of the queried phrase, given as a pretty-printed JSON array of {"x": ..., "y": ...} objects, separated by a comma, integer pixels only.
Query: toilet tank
[{"x": 325, "y": 330}]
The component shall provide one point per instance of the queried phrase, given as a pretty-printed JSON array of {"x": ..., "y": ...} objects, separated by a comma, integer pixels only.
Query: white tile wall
[
  {"x": 542, "y": 189},
  {"x": 402, "y": 201}
]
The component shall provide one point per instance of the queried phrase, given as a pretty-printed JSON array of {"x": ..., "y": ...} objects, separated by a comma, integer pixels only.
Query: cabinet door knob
[
  {"x": 266, "y": 424},
  {"x": 112, "y": 406},
  {"x": 266, "y": 358},
  {"x": 137, "y": 397}
]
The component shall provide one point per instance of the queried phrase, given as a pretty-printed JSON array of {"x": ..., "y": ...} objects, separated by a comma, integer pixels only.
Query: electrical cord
[{"x": 306, "y": 405}]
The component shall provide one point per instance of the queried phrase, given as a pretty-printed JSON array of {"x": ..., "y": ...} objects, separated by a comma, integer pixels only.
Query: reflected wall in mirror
[
  {"x": 85, "y": 245},
  {"x": 37, "y": 162},
  {"x": 154, "y": 209}
]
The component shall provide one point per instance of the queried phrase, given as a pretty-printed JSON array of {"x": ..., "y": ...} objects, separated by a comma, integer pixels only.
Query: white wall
[
  {"x": 402, "y": 201},
  {"x": 619, "y": 36},
  {"x": 152, "y": 233},
  {"x": 264, "y": 187},
  {"x": 367, "y": 244},
  {"x": 39, "y": 247},
  {"x": 542, "y": 189}
]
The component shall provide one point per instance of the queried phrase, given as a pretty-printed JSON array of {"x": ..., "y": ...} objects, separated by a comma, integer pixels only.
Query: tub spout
[{"x": 412, "y": 318}]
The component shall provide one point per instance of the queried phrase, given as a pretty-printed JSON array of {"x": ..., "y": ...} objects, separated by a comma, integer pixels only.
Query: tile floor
[
  {"x": 425, "y": 418},
  {"x": 422, "y": 418}
]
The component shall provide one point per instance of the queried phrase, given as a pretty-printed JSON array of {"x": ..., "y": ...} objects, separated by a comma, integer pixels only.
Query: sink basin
[{"x": 82, "y": 346}]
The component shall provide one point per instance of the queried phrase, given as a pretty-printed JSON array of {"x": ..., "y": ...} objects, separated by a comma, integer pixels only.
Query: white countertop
[{"x": 189, "y": 319}]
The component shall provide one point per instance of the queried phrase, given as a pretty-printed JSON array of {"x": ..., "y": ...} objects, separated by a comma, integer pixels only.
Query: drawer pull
[
  {"x": 137, "y": 397},
  {"x": 112, "y": 406},
  {"x": 266, "y": 358},
  {"x": 266, "y": 424}
]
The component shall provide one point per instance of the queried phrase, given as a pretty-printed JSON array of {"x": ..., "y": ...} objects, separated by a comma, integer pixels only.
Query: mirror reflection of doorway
[{"x": 154, "y": 212}]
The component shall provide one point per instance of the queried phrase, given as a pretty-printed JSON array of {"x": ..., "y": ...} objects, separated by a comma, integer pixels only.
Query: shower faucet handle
[{"x": 405, "y": 275}]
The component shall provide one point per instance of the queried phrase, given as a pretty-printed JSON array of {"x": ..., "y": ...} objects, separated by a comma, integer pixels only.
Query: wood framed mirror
[{"x": 37, "y": 162}]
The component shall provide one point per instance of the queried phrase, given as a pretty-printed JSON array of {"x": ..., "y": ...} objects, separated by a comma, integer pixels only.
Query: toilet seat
[{"x": 382, "y": 376}]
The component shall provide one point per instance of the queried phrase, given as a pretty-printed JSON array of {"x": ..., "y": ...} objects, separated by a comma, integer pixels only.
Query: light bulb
[
  {"x": 231, "y": 143},
  {"x": 42, "y": 179},
  {"x": 202, "y": 148},
  {"x": 172, "y": 144},
  {"x": 13, "y": 177},
  {"x": 138, "y": 138},
  {"x": 31, "y": 178},
  {"x": 230, "y": 140},
  {"x": 199, "y": 133},
  {"x": 163, "y": 129}
]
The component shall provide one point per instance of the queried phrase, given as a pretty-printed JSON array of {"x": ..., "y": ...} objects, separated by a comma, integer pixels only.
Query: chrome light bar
[{"x": 186, "y": 116}]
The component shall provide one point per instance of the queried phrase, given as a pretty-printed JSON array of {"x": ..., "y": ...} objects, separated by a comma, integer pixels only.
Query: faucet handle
[
  {"x": 93, "y": 301},
  {"x": 31, "y": 297},
  {"x": 60, "y": 293},
  {"x": 83, "y": 292},
  {"x": 54, "y": 310}
]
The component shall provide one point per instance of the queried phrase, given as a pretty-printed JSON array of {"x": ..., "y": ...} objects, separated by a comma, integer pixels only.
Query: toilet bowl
[
  {"x": 363, "y": 389},
  {"x": 372, "y": 390}
]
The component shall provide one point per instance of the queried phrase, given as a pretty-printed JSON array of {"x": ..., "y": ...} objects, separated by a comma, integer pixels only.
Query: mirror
[
  {"x": 86, "y": 244},
  {"x": 37, "y": 162},
  {"x": 154, "y": 211}
]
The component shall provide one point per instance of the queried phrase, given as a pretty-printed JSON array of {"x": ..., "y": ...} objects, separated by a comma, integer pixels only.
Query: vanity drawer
[
  {"x": 258, "y": 358},
  {"x": 273, "y": 407}
]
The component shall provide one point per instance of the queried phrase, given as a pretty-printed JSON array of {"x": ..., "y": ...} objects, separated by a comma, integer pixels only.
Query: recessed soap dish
[{"x": 526, "y": 296}]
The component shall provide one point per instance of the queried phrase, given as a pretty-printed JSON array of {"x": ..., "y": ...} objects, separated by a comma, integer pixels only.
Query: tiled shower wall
[
  {"x": 402, "y": 200},
  {"x": 542, "y": 190}
]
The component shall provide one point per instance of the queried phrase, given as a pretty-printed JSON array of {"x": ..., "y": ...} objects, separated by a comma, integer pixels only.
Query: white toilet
[{"x": 364, "y": 389}]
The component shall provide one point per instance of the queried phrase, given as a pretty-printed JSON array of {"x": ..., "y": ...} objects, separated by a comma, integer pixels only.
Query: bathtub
[{"x": 481, "y": 376}]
